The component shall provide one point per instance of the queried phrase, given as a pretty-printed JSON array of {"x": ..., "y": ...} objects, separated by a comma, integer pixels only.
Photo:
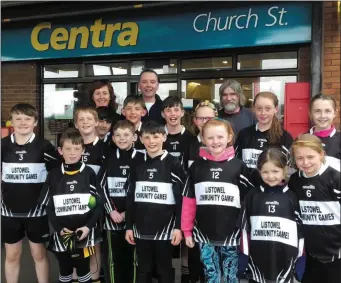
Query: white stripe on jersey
[
  {"x": 190, "y": 163},
  {"x": 71, "y": 204},
  {"x": 175, "y": 154},
  {"x": 333, "y": 162},
  {"x": 28, "y": 173},
  {"x": 154, "y": 192},
  {"x": 217, "y": 193},
  {"x": 250, "y": 156},
  {"x": 115, "y": 186},
  {"x": 272, "y": 228},
  {"x": 94, "y": 167},
  {"x": 323, "y": 213}
]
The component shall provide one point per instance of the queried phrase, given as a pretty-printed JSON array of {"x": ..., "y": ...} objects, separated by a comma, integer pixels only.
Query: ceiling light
[
  {"x": 194, "y": 83},
  {"x": 183, "y": 70},
  {"x": 221, "y": 79},
  {"x": 172, "y": 65},
  {"x": 225, "y": 62}
]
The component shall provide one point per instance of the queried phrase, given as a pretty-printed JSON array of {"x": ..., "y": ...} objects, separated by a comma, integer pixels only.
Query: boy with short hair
[
  {"x": 105, "y": 122},
  {"x": 178, "y": 137},
  {"x": 134, "y": 109},
  {"x": 25, "y": 159},
  {"x": 74, "y": 205},
  {"x": 86, "y": 121},
  {"x": 154, "y": 204},
  {"x": 120, "y": 257}
]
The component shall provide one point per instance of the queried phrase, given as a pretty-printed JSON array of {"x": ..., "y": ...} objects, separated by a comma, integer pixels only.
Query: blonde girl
[
  {"x": 318, "y": 188},
  {"x": 322, "y": 112},
  {"x": 216, "y": 184}
]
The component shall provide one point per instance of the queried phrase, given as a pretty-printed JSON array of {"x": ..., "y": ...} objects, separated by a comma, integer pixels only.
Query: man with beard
[{"x": 232, "y": 100}]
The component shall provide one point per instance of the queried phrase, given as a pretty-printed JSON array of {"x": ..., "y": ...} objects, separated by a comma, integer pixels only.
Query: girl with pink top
[
  {"x": 322, "y": 112},
  {"x": 215, "y": 187}
]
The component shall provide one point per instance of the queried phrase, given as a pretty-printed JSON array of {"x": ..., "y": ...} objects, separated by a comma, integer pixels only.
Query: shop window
[
  {"x": 121, "y": 91},
  {"x": 199, "y": 90},
  {"x": 167, "y": 89},
  {"x": 205, "y": 64},
  {"x": 62, "y": 71},
  {"x": 106, "y": 69},
  {"x": 160, "y": 66},
  {"x": 267, "y": 61}
]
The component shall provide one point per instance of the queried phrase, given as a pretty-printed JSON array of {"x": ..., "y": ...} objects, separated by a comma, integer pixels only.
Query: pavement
[{"x": 27, "y": 271}]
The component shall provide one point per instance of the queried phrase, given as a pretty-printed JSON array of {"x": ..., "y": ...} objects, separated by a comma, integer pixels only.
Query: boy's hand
[
  {"x": 176, "y": 238},
  {"x": 123, "y": 214},
  {"x": 130, "y": 237},
  {"x": 189, "y": 242},
  {"x": 116, "y": 216},
  {"x": 65, "y": 231},
  {"x": 85, "y": 232}
]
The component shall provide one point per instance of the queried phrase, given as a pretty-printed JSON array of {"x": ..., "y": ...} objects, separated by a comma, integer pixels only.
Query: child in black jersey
[
  {"x": 154, "y": 206},
  {"x": 272, "y": 244},
  {"x": 74, "y": 205},
  {"x": 86, "y": 121},
  {"x": 322, "y": 112},
  {"x": 178, "y": 137},
  {"x": 25, "y": 159},
  {"x": 318, "y": 188},
  {"x": 119, "y": 255},
  {"x": 204, "y": 112},
  {"x": 105, "y": 123},
  {"x": 133, "y": 110},
  {"x": 215, "y": 187},
  {"x": 177, "y": 144},
  {"x": 268, "y": 132}
]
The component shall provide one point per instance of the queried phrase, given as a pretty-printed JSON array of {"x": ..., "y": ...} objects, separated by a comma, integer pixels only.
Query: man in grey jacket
[{"x": 232, "y": 101}]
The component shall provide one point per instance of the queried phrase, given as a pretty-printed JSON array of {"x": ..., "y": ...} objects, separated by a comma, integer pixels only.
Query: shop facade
[{"x": 50, "y": 62}]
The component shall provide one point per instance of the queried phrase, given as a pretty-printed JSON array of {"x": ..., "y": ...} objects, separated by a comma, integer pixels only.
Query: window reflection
[
  {"x": 204, "y": 64},
  {"x": 267, "y": 61},
  {"x": 120, "y": 90},
  {"x": 108, "y": 69},
  {"x": 160, "y": 66},
  {"x": 62, "y": 71}
]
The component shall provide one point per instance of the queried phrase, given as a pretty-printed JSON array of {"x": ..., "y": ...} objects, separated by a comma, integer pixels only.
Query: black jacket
[{"x": 154, "y": 113}]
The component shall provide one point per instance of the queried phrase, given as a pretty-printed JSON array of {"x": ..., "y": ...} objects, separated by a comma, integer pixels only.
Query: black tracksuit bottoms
[{"x": 154, "y": 252}]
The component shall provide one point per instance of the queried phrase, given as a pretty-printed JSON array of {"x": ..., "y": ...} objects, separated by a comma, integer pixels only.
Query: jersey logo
[
  {"x": 261, "y": 142},
  {"x": 72, "y": 185},
  {"x": 151, "y": 173},
  {"x": 308, "y": 190},
  {"x": 272, "y": 206}
]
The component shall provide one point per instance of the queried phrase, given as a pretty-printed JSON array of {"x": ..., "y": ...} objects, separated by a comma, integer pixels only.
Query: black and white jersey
[
  {"x": 332, "y": 147},
  {"x": 251, "y": 142},
  {"x": 319, "y": 197},
  {"x": 271, "y": 233},
  {"x": 154, "y": 199},
  {"x": 193, "y": 151},
  {"x": 66, "y": 198},
  {"x": 178, "y": 145},
  {"x": 24, "y": 171},
  {"x": 138, "y": 145},
  {"x": 219, "y": 187},
  {"x": 113, "y": 177},
  {"x": 95, "y": 153}
]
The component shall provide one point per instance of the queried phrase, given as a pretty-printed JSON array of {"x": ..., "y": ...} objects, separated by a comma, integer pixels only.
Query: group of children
[{"x": 228, "y": 201}]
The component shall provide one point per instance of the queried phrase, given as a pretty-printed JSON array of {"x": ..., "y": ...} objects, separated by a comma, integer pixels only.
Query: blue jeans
[{"x": 219, "y": 260}]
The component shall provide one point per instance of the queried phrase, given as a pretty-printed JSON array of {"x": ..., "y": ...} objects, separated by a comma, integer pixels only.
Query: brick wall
[
  {"x": 331, "y": 52},
  {"x": 19, "y": 83}
]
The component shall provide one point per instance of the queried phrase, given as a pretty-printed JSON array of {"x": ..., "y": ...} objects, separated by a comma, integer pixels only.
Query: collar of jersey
[
  {"x": 120, "y": 152},
  {"x": 181, "y": 132},
  {"x": 332, "y": 133},
  {"x": 73, "y": 172},
  {"x": 28, "y": 141},
  {"x": 257, "y": 129},
  {"x": 281, "y": 188},
  {"x": 139, "y": 127},
  {"x": 107, "y": 135},
  {"x": 319, "y": 172},
  {"x": 161, "y": 156}
]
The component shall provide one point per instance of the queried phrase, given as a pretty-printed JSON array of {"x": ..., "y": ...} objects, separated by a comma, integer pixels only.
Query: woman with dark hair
[{"x": 101, "y": 94}]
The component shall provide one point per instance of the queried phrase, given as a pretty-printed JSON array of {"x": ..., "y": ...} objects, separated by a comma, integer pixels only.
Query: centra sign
[{"x": 61, "y": 38}]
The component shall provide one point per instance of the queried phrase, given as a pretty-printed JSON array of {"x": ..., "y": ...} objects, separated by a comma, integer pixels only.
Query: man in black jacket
[{"x": 149, "y": 85}]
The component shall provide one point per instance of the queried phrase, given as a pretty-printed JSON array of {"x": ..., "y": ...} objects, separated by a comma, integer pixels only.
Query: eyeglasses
[{"x": 203, "y": 119}]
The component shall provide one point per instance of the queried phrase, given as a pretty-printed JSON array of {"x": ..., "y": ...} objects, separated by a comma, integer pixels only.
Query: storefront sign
[{"x": 280, "y": 23}]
